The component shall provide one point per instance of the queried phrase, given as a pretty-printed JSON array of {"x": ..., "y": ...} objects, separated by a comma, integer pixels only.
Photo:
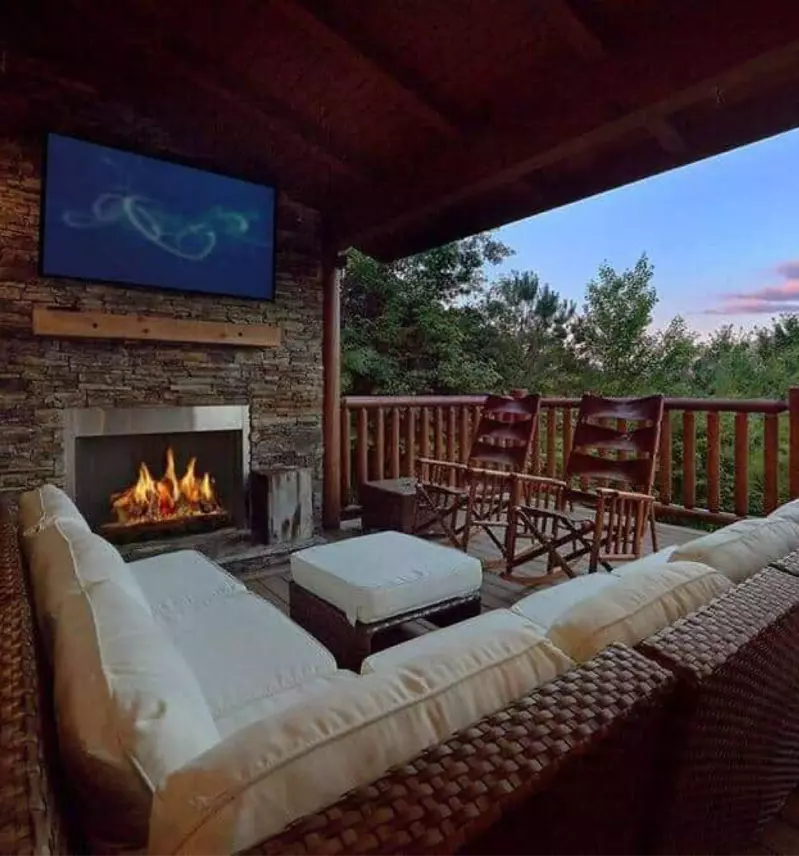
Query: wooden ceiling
[{"x": 408, "y": 123}]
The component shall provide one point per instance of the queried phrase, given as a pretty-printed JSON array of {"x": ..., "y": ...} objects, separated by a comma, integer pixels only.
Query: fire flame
[{"x": 169, "y": 498}]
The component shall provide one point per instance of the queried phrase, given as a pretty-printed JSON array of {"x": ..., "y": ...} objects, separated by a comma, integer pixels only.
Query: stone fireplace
[
  {"x": 109, "y": 450},
  {"x": 50, "y": 386}
]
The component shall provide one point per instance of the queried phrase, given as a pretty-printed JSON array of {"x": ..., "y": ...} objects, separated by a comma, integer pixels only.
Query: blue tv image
[{"x": 115, "y": 216}]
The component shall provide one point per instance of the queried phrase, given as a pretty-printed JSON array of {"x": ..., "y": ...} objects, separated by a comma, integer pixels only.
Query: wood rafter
[
  {"x": 374, "y": 62},
  {"x": 582, "y": 38},
  {"x": 262, "y": 109},
  {"x": 654, "y": 78}
]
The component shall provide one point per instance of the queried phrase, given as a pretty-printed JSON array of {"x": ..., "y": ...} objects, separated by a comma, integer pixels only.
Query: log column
[{"x": 332, "y": 265}]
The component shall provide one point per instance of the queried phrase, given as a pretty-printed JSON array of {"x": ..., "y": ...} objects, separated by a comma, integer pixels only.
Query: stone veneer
[{"x": 39, "y": 377}]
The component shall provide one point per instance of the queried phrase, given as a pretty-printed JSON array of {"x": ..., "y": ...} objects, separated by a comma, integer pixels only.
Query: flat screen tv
[{"x": 115, "y": 216}]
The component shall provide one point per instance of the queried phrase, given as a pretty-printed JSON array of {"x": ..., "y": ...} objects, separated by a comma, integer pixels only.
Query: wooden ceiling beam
[
  {"x": 117, "y": 33},
  {"x": 654, "y": 77},
  {"x": 373, "y": 62},
  {"x": 667, "y": 135},
  {"x": 581, "y": 37}
]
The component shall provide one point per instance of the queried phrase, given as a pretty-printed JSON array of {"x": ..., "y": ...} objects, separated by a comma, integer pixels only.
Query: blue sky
[{"x": 723, "y": 235}]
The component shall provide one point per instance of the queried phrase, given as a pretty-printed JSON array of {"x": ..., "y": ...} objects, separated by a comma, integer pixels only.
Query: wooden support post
[
  {"x": 331, "y": 362},
  {"x": 793, "y": 442}
]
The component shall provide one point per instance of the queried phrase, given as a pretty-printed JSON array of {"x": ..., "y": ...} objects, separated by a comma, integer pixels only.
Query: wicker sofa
[{"x": 690, "y": 748}]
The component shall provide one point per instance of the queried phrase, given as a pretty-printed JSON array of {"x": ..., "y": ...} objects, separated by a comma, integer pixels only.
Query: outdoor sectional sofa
[{"x": 687, "y": 745}]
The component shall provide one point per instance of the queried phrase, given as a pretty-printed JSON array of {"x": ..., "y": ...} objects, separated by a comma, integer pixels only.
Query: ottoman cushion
[{"x": 378, "y": 576}]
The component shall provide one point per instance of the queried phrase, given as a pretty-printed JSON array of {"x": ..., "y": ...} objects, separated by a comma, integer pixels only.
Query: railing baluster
[
  {"x": 475, "y": 421},
  {"x": 793, "y": 442},
  {"x": 451, "y": 438},
  {"x": 688, "y": 459},
  {"x": 567, "y": 437},
  {"x": 380, "y": 445},
  {"x": 552, "y": 433},
  {"x": 439, "y": 433},
  {"x": 346, "y": 459},
  {"x": 410, "y": 442},
  {"x": 362, "y": 446},
  {"x": 713, "y": 462},
  {"x": 464, "y": 438},
  {"x": 424, "y": 445},
  {"x": 771, "y": 452},
  {"x": 741, "y": 464},
  {"x": 394, "y": 441},
  {"x": 664, "y": 459}
]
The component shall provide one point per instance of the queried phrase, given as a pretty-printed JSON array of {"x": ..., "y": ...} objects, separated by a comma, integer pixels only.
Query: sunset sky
[{"x": 723, "y": 235}]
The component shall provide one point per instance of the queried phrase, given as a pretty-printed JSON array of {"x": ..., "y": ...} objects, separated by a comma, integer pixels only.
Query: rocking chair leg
[{"x": 653, "y": 530}]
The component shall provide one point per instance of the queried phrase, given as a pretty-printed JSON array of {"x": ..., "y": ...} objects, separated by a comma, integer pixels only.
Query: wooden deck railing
[{"x": 719, "y": 459}]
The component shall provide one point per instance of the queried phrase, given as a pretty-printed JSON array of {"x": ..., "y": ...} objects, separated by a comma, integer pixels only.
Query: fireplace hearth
[{"x": 152, "y": 472}]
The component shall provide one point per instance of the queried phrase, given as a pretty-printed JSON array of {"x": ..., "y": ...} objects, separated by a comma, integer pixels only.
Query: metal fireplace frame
[{"x": 115, "y": 421}]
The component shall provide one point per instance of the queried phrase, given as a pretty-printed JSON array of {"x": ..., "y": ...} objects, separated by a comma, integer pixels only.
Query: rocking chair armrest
[
  {"x": 632, "y": 495},
  {"x": 544, "y": 481},
  {"x": 434, "y": 462}
]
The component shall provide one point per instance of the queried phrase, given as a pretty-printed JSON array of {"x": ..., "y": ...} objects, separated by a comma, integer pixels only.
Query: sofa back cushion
[
  {"x": 129, "y": 711},
  {"x": 40, "y": 507},
  {"x": 787, "y": 511},
  {"x": 260, "y": 779},
  {"x": 65, "y": 559},
  {"x": 742, "y": 548},
  {"x": 638, "y": 606}
]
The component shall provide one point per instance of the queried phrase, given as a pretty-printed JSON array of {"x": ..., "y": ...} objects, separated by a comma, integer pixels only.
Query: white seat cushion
[
  {"x": 129, "y": 712},
  {"x": 742, "y": 548},
  {"x": 253, "y": 784},
  {"x": 636, "y": 607},
  {"x": 40, "y": 507},
  {"x": 67, "y": 559},
  {"x": 179, "y": 582},
  {"x": 787, "y": 511},
  {"x": 382, "y": 575},
  {"x": 243, "y": 650},
  {"x": 546, "y": 606},
  {"x": 644, "y": 563}
]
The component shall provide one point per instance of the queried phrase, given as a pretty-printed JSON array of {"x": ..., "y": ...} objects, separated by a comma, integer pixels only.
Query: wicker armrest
[
  {"x": 580, "y": 745},
  {"x": 730, "y": 755}
]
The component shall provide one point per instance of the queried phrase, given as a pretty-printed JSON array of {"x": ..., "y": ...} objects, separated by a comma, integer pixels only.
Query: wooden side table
[{"x": 388, "y": 504}]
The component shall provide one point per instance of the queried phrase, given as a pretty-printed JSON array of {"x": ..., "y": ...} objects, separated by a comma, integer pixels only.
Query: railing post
[{"x": 793, "y": 442}]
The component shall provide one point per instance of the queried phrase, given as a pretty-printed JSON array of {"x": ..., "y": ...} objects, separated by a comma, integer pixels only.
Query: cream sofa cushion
[
  {"x": 243, "y": 650},
  {"x": 545, "y": 606},
  {"x": 636, "y": 607},
  {"x": 181, "y": 582},
  {"x": 258, "y": 780},
  {"x": 38, "y": 508},
  {"x": 65, "y": 559},
  {"x": 624, "y": 569},
  {"x": 787, "y": 511},
  {"x": 742, "y": 548},
  {"x": 381, "y": 575},
  {"x": 128, "y": 708}
]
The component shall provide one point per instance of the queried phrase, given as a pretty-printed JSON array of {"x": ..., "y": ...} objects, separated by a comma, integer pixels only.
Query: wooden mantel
[{"x": 103, "y": 325}]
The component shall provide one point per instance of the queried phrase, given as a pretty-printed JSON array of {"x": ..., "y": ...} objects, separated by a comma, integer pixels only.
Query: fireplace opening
[{"x": 137, "y": 486}]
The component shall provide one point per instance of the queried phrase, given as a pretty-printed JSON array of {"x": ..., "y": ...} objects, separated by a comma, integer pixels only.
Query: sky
[{"x": 722, "y": 234}]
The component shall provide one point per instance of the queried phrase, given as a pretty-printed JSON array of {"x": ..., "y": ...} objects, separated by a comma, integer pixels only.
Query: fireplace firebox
[{"x": 155, "y": 471}]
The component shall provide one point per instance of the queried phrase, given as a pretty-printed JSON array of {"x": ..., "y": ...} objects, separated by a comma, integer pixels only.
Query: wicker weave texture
[
  {"x": 351, "y": 644},
  {"x": 581, "y": 746},
  {"x": 733, "y": 743},
  {"x": 31, "y": 820}
]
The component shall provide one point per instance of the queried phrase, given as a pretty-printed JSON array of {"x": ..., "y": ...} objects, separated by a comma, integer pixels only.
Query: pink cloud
[{"x": 771, "y": 299}]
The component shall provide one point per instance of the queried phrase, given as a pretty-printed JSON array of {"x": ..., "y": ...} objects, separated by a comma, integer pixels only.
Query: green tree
[
  {"x": 612, "y": 335},
  {"x": 402, "y": 329}
]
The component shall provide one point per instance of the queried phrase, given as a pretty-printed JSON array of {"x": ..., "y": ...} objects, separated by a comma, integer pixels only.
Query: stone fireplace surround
[{"x": 41, "y": 378}]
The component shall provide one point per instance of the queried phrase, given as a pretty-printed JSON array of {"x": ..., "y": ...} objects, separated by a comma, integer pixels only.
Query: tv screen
[{"x": 115, "y": 216}]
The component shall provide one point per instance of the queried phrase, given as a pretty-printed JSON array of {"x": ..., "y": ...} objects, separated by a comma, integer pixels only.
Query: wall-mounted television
[{"x": 114, "y": 216}]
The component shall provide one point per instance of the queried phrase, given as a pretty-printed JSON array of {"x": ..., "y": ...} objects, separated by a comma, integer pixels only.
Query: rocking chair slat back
[
  {"x": 624, "y": 456},
  {"x": 504, "y": 434}
]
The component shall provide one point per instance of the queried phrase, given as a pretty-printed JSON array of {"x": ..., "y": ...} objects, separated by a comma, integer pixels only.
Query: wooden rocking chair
[
  {"x": 610, "y": 471},
  {"x": 500, "y": 449}
]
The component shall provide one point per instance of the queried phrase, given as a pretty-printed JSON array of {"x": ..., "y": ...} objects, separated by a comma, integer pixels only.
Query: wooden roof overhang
[{"x": 408, "y": 123}]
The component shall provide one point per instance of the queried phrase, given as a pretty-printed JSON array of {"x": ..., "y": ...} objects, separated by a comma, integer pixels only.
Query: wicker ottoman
[{"x": 347, "y": 593}]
